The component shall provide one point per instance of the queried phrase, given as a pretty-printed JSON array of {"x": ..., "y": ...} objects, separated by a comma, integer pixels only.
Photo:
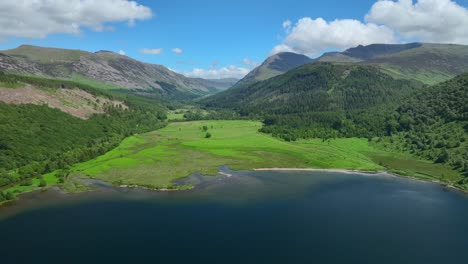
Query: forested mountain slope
[
  {"x": 434, "y": 123},
  {"x": 318, "y": 87},
  {"x": 37, "y": 139}
]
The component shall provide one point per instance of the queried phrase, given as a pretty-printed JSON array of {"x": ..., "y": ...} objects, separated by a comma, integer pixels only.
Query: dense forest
[
  {"x": 37, "y": 139},
  {"x": 434, "y": 124}
]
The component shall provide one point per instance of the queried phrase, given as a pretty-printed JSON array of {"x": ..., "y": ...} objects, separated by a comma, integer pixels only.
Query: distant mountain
[
  {"x": 104, "y": 68},
  {"x": 219, "y": 84},
  {"x": 428, "y": 63},
  {"x": 273, "y": 66}
]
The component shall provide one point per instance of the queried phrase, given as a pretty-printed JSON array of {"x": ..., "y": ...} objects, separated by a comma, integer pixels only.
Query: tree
[
  {"x": 443, "y": 157},
  {"x": 208, "y": 135},
  {"x": 9, "y": 196},
  {"x": 205, "y": 128},
  {"x": 42, "y": 183}
]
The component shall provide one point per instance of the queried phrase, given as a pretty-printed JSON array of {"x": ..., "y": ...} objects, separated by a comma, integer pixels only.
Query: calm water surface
[{"x": 250, "y": 217}]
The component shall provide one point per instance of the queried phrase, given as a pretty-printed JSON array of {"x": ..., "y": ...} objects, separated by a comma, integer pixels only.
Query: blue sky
[{"x": 237, "y": 34}]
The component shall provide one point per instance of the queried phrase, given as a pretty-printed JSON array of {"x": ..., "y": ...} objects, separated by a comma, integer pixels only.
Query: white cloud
[
  {"x": 426, "y": 20},
  {"x": 388, "y": 21},
  {"x": 312, "y": 36},
  {"x": 39, "y": 18},
  {"x": 151, "y": 51},
  {"x": 177, "y": 51},
  {"x": 282, "y": 48},
  {"x": 121, "y": 52},
  {"x": 250, "y": 63},
  {"x": 224, "y": 72}
]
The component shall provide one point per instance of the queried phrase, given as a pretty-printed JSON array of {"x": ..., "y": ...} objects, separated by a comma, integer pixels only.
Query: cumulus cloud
[
  {"x": 37, "y": 19},
  {"x": 388, "y": 21},
  {"x": 121, "y": 52},
  {"x": 426, "y": 20},
  {"x": 151, "y": 51},
  {"x": 224, "y": 72},
  {"x": 250, "y": 63},
  {"x": 177, "y": 51},
  {"x": 311, "y": 36}
]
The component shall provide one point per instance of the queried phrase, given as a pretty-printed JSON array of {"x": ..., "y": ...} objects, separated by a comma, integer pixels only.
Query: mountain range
[
  {"x": 285, "y": 78},
  {"x": 106, "y": 69},
  {"x": 427, "y": 63}
]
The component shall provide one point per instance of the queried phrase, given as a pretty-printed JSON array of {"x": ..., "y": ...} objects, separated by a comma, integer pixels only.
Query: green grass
[
  {"x": 50, "y": 179},
  {"x": 97, "y": 84},
  {"x": 406, "y": 165},
  {"x": 175, "y": 115},
  {"x": 46, "y": 55},
  {"x": 12, "y": 85},
  {"x": 422, "y": 75},
  {"x": 156, "y": 159}
]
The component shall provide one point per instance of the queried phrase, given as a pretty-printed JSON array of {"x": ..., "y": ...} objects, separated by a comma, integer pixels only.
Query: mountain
[
  {"x": 273, "y": 66},
  {"x": 315, "y": 87},
  {"x": 103, "y": 68},
  {"x": 428, "y": 63},
  {"x": 218, "y": 84},
  {"x": 320, "y": 100}
]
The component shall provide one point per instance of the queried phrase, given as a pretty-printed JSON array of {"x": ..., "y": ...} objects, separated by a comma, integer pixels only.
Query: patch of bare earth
[{"x": 76, "y": 102}]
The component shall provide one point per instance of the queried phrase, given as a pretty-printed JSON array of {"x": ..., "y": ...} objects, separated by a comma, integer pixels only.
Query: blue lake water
[{"x": 249, "y": 217}]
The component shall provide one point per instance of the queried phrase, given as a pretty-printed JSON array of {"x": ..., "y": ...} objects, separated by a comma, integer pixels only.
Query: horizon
[{"x": 205, "y": 39}]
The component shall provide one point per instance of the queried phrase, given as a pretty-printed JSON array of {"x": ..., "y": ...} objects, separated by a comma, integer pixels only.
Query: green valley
[
  {"x": 154, "y": 160},
  {"x": 290, "y": 112}
]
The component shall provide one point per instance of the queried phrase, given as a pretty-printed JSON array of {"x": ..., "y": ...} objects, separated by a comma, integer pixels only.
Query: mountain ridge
[
  {"x": 104, "y": 66},
  {"x": 274, "y": 65},
  {"x": 430, "y": 63}
]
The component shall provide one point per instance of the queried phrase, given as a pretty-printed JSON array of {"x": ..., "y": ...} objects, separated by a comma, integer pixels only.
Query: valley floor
[{"x": 156, "y": 159}]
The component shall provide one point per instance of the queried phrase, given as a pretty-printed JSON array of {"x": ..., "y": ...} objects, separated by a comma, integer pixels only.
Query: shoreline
[
  {"x": 323, "y": 170},
  {"x": 443, "y": 184},
  {"x": 186, "y": 188}
]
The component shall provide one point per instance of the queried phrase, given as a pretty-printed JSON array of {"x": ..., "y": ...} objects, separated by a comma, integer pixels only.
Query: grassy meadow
[{"x": 156, "y": 159}]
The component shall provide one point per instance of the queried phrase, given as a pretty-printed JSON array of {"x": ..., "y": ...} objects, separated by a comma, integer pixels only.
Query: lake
[{"x": 244, "y": 217}]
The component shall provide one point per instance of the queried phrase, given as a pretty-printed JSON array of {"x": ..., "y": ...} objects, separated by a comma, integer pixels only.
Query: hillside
[
  {"x": 51, "y": 124},
  {"x": 434, "y": 124},
  {"x": 273, "y": 66},
  {"x": 320, "y": 100},
  {"x": 317, "y": 87},
  {"x": 103, "y": 67},
  {"x": 428, "y": 63}
]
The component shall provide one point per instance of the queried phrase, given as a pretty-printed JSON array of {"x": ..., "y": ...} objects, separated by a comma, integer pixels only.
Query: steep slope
[
  {"x": 102, "y": 66},
  {"x": 316, "y": 87},
  {"x": 273, "y": 66},
  {"x": 428, "y": 63}
]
